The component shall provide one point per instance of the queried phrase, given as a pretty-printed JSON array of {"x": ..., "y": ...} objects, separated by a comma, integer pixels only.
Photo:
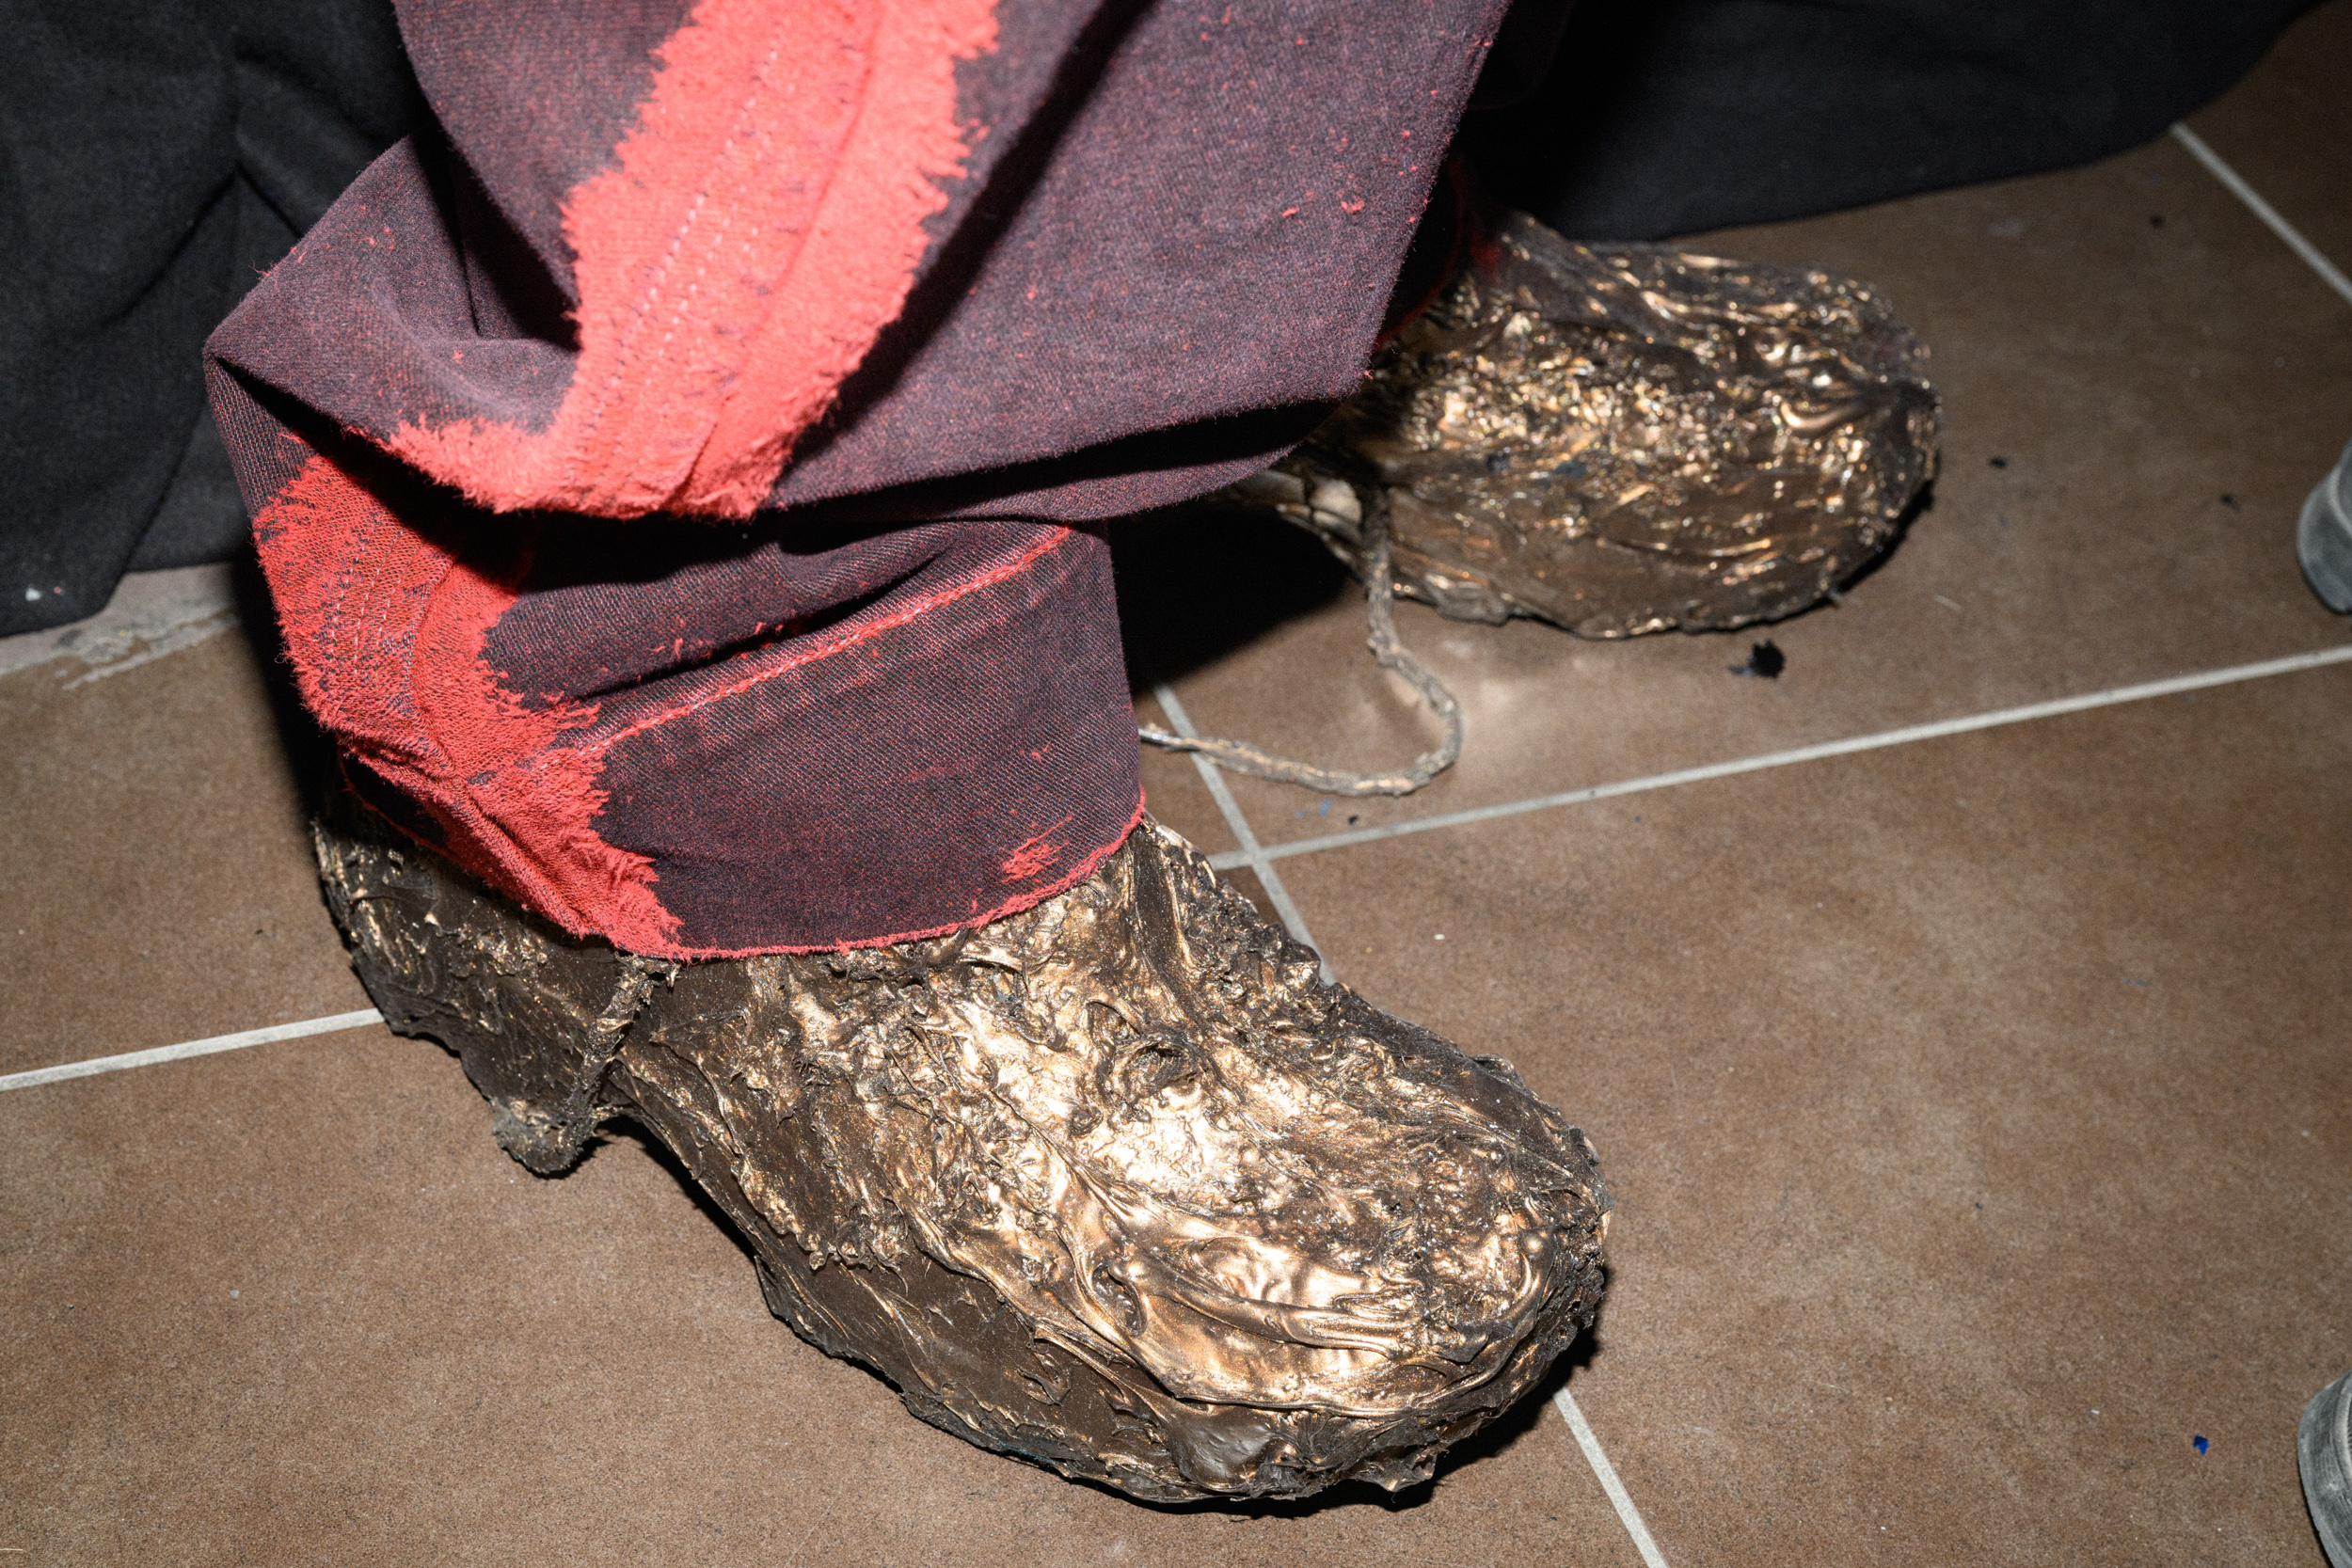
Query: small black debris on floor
[
  {"x": 1998, "y": 462},
  {"x": 2229, "y": 501},
  {"x": 1765, "y": 659}
]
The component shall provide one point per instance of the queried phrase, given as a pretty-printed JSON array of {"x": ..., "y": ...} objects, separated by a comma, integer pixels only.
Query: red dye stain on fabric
[
  {"x": 759, "y": 228},
  {"x": 386, "y": 629},
  {"x": 1034, "y": 854}
]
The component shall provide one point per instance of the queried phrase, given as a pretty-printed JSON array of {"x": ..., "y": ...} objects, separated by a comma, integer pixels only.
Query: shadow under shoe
[
  {"x": 1622, "y": 439},
  {"x": 1116, "y": 1185}
]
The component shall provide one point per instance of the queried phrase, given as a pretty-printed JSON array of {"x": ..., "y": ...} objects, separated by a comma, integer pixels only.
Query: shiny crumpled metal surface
[
  {"x": 1622, "y": 439},
  {"x": 1118, "y": 1183}
]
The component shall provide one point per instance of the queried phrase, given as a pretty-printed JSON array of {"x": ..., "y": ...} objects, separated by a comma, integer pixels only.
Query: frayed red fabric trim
[
  {"x": 385, "y": 628},
  {"x": 759, "y": 228}
]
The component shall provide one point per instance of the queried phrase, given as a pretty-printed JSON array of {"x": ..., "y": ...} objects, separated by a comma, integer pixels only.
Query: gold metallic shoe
[
  {"x": 1622, "y": 439},
  {"x": 1116, "y": 1183}
]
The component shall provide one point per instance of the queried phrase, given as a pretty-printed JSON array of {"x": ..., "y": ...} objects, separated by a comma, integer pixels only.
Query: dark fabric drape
[
  {"x": 154, "y": 159},
  {"x": 1667, "y": 117}
]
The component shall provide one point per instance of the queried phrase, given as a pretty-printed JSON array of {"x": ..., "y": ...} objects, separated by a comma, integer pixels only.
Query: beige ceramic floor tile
[
  {"x": 160, "y": 886},
  {"x": 2283, "y": 129},
  {"x": 1979, "y": 1114}
]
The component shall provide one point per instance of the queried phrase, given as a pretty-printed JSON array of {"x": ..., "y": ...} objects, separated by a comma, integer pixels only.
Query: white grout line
[
  {"x": 2327, "y": 270},
  {"x": 190, "y": 1048},
  {"x": 1251, "y": 854},
  {"x": 1630, "y": 1515},
  {"x": 1258, "y": 856}
]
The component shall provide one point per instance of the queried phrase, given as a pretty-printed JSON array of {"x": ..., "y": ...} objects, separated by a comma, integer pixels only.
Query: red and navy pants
[{"x": 681, "y": 471}]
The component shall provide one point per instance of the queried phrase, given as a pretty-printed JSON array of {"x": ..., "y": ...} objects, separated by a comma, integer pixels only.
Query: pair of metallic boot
[{"x": 1118, "y": 1183}]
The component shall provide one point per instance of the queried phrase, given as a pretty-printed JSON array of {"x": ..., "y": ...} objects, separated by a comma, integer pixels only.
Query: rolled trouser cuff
[{"x": 935, "y": 733}]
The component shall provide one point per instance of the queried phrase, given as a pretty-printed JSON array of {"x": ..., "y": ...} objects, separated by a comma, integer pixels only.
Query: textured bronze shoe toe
[
  {"x": 1116, "y": 1183},
  {"x": 1622, "y": 439}
]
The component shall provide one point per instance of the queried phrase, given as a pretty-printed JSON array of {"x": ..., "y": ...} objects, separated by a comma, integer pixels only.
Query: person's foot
[
  {"x": 2323, "y": 538},
  {"x": 2324, "y": 1453},
  {"x": 1116, "y": 1183},
  {"x": 1622, "y": 439}
]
